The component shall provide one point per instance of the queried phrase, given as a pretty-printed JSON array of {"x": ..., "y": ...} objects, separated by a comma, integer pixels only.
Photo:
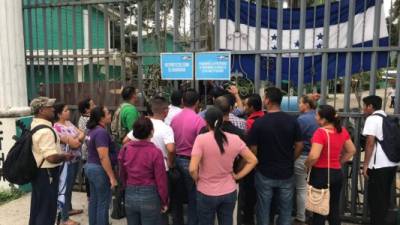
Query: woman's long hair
[
  {"x": 95, "y": 116},
  {"x": 214, "y": 119},
  {"x": 328, "y": 113},
  {"x": 58, "y": 109}
]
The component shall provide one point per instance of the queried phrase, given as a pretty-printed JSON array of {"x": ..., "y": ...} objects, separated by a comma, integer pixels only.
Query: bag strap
[
  {"x": 329, "y": 156},
  {"x": 329, "y": 159},
  {"x": 39, "y": 127}
]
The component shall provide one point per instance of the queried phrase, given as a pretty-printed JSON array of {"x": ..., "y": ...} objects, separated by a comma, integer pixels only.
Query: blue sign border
[
  {"x": 225, "y": 76},
  {"x": 170, "y": 75}
]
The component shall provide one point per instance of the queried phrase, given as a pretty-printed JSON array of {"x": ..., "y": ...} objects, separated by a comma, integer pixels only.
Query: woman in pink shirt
[
  {"x": 142, "y": 172},
  {"x": 211, "y": 167}
]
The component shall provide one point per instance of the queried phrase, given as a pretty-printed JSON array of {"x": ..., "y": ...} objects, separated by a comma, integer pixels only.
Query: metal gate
[{"x": 81, "y": 48}]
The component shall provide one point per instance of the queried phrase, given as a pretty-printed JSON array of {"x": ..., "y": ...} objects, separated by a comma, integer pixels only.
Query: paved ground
[{"x": 17, "y": 211}]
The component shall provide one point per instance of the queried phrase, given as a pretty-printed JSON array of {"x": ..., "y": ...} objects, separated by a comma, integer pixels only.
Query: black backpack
[
  {"x": 20, "y": 165},
  {"x": 391, "y": 137}
]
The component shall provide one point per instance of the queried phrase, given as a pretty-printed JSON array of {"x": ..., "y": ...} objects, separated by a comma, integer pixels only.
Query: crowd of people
[{"x": 237, "y": 161}]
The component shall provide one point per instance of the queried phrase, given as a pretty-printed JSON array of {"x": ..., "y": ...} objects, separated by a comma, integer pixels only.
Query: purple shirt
[
  {"x": 142, "y": 164},
  {"x": 96, "y": 138},
  {"x": 186, "y": 126}
]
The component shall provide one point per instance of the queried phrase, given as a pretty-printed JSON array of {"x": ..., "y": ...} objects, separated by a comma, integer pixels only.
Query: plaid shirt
[{"x": 237, "y": 122}]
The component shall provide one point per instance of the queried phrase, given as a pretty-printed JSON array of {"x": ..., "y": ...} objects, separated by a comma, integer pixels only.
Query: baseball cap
[{"x": 41, "y": 102}]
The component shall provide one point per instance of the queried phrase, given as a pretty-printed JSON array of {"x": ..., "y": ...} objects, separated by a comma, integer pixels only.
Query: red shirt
[
  {"x": 250, "y": 120},
  {"x": 337, "y": 141}
]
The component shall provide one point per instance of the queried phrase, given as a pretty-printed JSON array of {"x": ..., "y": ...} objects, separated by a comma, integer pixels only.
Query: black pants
[
  {"x": 391, "y": 102},
  {"x": 319, "y": 179},
  {"x": 247, "y": 200},
  {"x": 379, "y": 185},
  {"x": 44, "y": 197}
]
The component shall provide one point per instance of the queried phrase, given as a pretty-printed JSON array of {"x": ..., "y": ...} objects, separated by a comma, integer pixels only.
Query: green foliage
[{"x": 9, "y": 195}]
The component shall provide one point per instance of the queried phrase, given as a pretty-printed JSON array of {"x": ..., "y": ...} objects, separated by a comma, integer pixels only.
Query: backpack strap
[
  {"x": 39, "y": 127},
  {"x": 42, "y": 126}
]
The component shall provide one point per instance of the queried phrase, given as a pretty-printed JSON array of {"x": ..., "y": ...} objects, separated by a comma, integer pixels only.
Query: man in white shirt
[
  {"x": 163, "y": 136},
  {"x": 377, "y": 168},
  {"x": 175, "y": 107}
]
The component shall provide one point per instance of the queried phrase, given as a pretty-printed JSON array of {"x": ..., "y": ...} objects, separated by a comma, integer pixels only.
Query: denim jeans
[
  {"x": 71, "y": 176},
  {"x": 183, "y": 166},
  {"x": 222, "y": 206},
  {"x": 100, "y": 194},
  {"x": 265, "y": 191},
  {"x": 301, "y": 186},
  {"x": 142, "y": 205}
]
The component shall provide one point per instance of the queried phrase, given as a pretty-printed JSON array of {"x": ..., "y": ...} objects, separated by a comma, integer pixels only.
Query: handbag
[
  {"x": 118, "y": 199},
  {"x": 317, "y": 200}
]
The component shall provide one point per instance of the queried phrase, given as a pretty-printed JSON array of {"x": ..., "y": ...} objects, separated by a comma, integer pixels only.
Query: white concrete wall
[{"x": 13, "y": 90}]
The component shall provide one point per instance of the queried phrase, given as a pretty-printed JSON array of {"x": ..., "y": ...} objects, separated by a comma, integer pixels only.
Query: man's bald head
[{"x": 223, "y": 104}]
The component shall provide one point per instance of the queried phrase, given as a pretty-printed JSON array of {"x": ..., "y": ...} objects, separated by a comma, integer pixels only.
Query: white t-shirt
[
  {"x": 162, "y": 136},
  {"x": 173, "y": 111},
  {"x": 373, "y": 127},
  {"x": 392, "y": 92}
]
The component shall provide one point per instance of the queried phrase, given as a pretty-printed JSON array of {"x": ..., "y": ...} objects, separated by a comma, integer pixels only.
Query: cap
[{"x": 41, "y": 102}]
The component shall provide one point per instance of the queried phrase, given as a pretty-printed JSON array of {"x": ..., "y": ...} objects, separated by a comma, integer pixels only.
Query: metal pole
[
  {"x": 300, "y": 81},
  {"x": 192, "y": 30},
  {"x": 74, "y": 47},
  {"x": 324, "y": 70},
  {"x": 258, "y": 44},
  {"x": 375, "y": 43},
  {"x": 46, "y": 53},
  {"x": 122, "y": 40},
  {"x": 278, "y": 81},
  {"x": 197, "y": 24},
  {"x": 158, "y": 24},
  {"x": 140, "y": 48},
  {"x": 107, "y": 58},
  {"x": 176, "y": 33},
  {"x": 397, "y": 95},
  {"x": 348, "y": 71},
  {"x": 31, "y": 62},
  {"x": 90, "y": 45},
  {"x": 60, "y": 48},
  {"x": 216, "y": 31}
]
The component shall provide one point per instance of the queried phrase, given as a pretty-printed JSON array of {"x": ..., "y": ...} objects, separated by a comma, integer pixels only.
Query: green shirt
[{"x": 128, "y": 115}]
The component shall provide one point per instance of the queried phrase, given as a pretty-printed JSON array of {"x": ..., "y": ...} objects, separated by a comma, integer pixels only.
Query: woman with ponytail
[
  {"x": 211, "y": 167},
  {"x": 341, "y": 149}
]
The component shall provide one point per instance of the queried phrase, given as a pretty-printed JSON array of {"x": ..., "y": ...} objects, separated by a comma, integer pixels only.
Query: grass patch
[{"x": 9, "y": 195}]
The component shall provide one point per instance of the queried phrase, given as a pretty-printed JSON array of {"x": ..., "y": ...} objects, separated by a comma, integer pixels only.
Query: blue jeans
[
  {"x": 100, "y": 194},
  {"x": 183, "y": 166},
  {"x": 142, "y": 205},
  {"x": 265, "y": 191},
  {"x": 69, "y": 184},
  {"x": 223, "y": 206}
]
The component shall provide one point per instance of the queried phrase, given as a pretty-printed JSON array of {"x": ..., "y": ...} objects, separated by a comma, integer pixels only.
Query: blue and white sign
[
  {"x": 213, "y": 66},
  {"x": 176, "y": 66}
]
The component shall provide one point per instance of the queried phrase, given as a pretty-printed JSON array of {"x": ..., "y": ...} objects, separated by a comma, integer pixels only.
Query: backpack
[
  {"x": 391, "y": 141},
  {"x": 118, "y": 132},
  {"x": 20, "y": 166}
]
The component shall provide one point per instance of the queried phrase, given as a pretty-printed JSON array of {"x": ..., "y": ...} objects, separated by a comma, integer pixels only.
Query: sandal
[{"x": 75, "y": 212}]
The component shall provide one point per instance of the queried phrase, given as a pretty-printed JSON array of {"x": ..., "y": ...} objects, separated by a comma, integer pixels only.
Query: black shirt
[{"x": 275, "y": 135}]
